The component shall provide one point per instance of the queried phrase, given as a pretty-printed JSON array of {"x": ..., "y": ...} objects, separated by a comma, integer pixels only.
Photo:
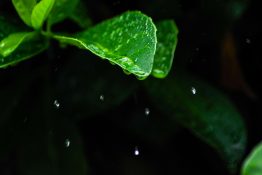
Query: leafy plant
[
  {"x": 133, "y": 42},
  {"x": 128, "y": 40}
]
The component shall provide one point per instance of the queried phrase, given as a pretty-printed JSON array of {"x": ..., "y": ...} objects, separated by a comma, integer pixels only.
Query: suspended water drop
[
  {"x": 126, "y": 72},
  {"x": 57, "y": 104},
  {"x": 101, "y": 97},
  {"x": 147, "y": 111},
  {"x": 136, "y": 151},
  {"x": 193, "y": 90},
  {"x": 67, "y": 143},
  {"x": 248, "y": 41},
  {"x": 197, "y": 49}
]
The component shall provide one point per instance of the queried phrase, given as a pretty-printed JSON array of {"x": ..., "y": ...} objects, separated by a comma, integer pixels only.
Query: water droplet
[
  {"x": 248, "y": 41},
  {"x": 197, "y": 49},
  {"x": 126, "y": 72},
  {"x": 141, "y": 77},
  {"x": 136, "y": 151},
  {"x": 193, "y": 90},
  {"x": 147, "y": 111},
  {"x": 67, "y": 143},
  {"x": 57, "y": 104},
  {"x": 102, "y": 97}
]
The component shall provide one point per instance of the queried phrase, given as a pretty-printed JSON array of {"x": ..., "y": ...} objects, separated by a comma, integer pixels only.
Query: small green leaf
[
  {"x": 24, "y": 9},
  {"x": 128, "y": 40},
  {"x": 41, "y": 12},
  {"x": 203, "y": 110},
  {"x": 10, "y": 43},
  {"x": 24, "y": 49},
  {"x": 253, "y": 163},
  {"x": 166, "y": 44},
  {"x": 61, "y": 10}
]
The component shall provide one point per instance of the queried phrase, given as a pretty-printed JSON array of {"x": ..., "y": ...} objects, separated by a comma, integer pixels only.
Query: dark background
[{"x": 111, "y": 134}]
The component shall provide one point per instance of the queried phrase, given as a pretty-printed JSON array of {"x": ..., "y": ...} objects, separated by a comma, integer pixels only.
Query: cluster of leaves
[
  {"x": 128, "y": 40},
  {"x": 133, "y": 42}
]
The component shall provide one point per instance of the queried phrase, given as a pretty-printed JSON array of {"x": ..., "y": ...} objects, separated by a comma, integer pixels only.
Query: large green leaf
[
  {"x": 24, "y": 8},
  {"x": 203, "y": 110},
  {"x": 128, "y": 40},
  {"x": 41, "y": 12},
  {"x": 23, "y": 49},
  {"x": 166, "y": 44},
  {"x": 61, "y": 10},
  {"x": 253, "y": 163}
]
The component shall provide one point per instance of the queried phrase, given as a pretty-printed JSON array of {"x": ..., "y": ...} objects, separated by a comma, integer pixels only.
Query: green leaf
[
  {"x": 23, "y": 49},
  {"x": 10, "y": 43},
  {"x": 61, "y": 10},
  {"x": 41, "y": 12},
  {"x": 128, "y": 40},
  {"x": 203, "y": 110},
  {"x": 253, "y": 163},
  {"x": 166, "y": 44},
  {"x": 24, "y": 9}
]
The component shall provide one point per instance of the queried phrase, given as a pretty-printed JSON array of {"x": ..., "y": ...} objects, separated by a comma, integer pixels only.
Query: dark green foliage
[{"x": 41, "y": 108}]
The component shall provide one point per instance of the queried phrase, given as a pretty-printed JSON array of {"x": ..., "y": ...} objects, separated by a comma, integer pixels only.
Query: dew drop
[
  {"x": 248, "y": 41},
  {"x": 67, "y": 143},
  {"x": 101, "y": 97},
  {"x": 57, "y": 104},
  {"x": 136, "y": 151},
  {"x": 193, "y": 90},
  {"x": 126, "y": 72},
  {"x": 147, "y": 111}
]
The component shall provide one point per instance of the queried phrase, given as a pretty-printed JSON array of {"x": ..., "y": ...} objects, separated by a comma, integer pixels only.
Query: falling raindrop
[
  {"x": 136, "y": 151},
  {"x": 57, "y": 104},
  {"x": 193, "y": 90},
  {"x": 147, "y": 111},
  {"x": 101, "y": 97},
  {"x": 248, "y": 41},
  {"x": 67, "y": 143}
]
